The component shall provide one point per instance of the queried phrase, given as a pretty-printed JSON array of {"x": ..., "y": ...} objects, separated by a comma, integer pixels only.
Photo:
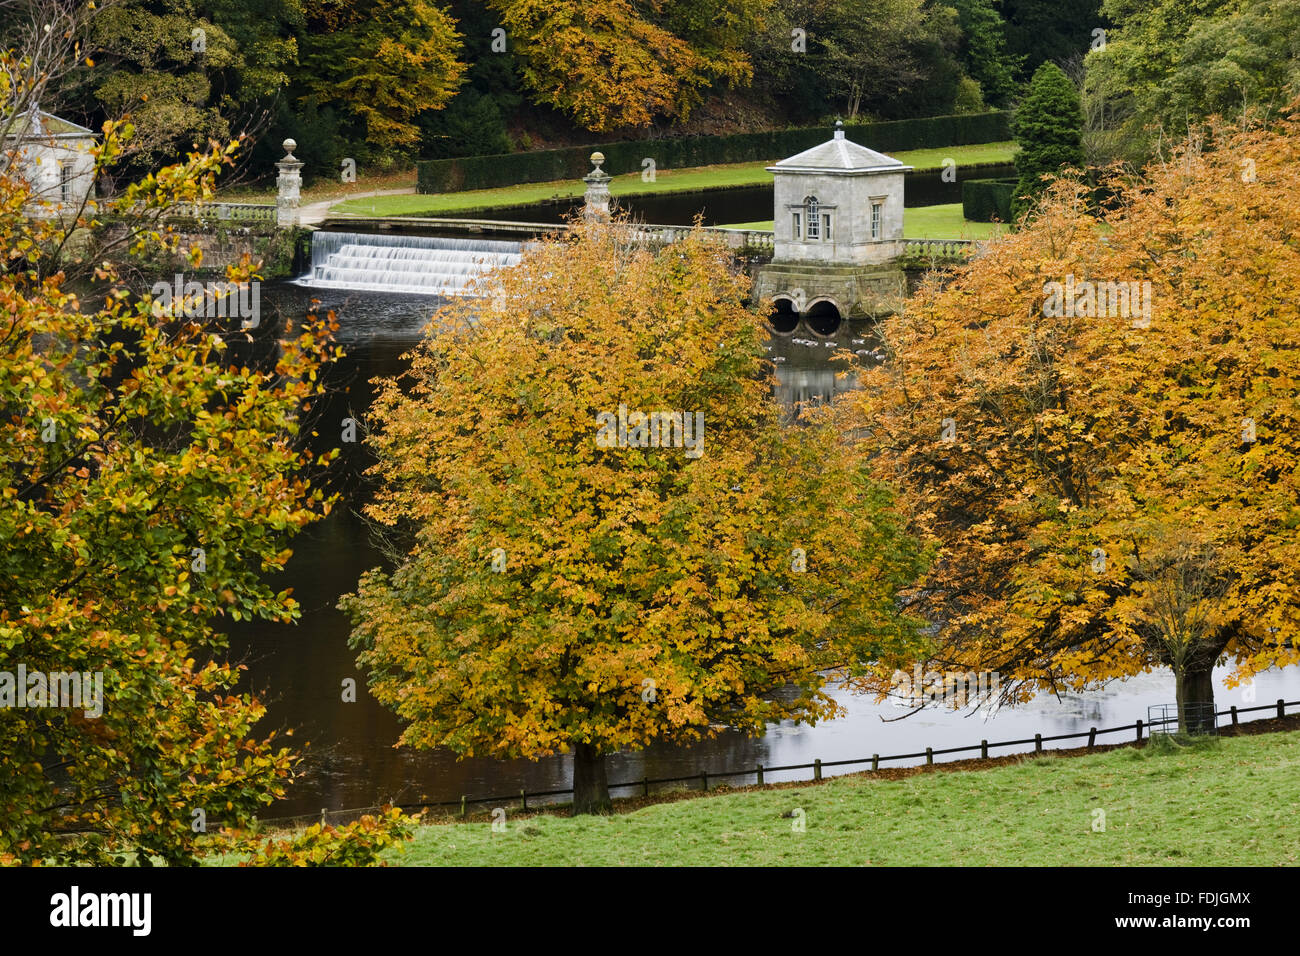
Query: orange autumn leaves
[
  {"x": 549, "y": 591},
  {"x": 1116, "y": 494},
  {"x": 623, "y": 63}
]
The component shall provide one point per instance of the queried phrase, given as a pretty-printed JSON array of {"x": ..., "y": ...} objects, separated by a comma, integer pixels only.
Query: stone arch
[
  {"x": 823, "y": 316},
  {"x": 785, "y": 315}
]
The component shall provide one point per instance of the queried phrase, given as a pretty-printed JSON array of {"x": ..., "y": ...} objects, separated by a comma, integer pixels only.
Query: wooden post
[
  {"x": 984, "y": 750},
  {"x": 704, "y": 781},
  {"x": 645, "y": 785},
  {"x": 462, "y": 804},
  {"x": 1139, "y": 727},
  {"x": 817, "y": 769},
  {"x": 875, "y": 761},
  {"x": 1092, "y": 737},
  {"x": 1281, "y": 707},
  {"x": 523, "y": 799},
  {"x": 1038, "y": 743},
  {"x": 322, "y": 816},
  {"x": 1235, "y": 721},
  {"x": 929, "y": 755},
  {"x": 760, "y": 775}
]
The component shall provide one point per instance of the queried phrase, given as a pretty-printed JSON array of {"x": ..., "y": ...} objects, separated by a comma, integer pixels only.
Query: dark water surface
[{"x": 299, "y": 669}]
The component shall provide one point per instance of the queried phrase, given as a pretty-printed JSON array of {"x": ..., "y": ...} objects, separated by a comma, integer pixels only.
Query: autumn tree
[
  {"x": 380, "y": 65},
  {"x": 152, "y": 472},
  {"x": 569, "y": 576},
  {"x": 1109, "y": 469},
  {"x": 626, "y": 62}
]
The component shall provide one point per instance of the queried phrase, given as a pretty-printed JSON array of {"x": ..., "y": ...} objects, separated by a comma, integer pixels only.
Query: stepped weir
[{"x": 422, "y": 265}]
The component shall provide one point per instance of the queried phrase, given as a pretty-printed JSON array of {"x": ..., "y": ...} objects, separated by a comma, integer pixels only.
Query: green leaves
[{"x": 172, "y": 482}]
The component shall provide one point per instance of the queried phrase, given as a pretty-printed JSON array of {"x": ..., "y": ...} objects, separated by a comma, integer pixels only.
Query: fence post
[
  {"x": 984, "y": 750},
  {"x": 1092, "y": 737},
  {"x": 1281, "y": 707},
  {"x": 817, "y": 769},
  {"x": 1234, "y": 715},
  {"x": 645, "y": 785},
  {"x": 929, "y": 755},
  {"x": 523, "y": 799},
  {"x": 1139, "y": 728},
  {"x": 760, "y": 775},
  {"x": 1038, "y": 743},
  {"x": 322, "y": 816},
  {"x": 875, "y": 761},
  {"x": 704, "y": 781},
  {"x": 462, "y": 804}
]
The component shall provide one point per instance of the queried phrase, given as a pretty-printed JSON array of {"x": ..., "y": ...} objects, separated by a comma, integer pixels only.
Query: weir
[{"x": 422, "y": 265}]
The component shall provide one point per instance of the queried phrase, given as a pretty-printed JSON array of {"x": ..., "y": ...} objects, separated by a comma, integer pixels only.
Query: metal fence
[{"x": 759, "y": 771}]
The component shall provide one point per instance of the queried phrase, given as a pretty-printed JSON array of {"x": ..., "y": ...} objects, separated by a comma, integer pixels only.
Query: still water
[{"x": 299, "y": 669}]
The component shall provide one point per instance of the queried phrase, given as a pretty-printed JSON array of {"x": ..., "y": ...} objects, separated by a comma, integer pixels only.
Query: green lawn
[
  {"x": 945, "y": 222},
  {"x": 1229, "y": 804},
  {"x": 666, "y": 180},
  {"x": 924, "y": 222}
]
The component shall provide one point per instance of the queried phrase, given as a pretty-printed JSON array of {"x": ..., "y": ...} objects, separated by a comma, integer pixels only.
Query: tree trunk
[
  {"x": 1195, "y": 686},
  {"x": 590, "y": 785}
]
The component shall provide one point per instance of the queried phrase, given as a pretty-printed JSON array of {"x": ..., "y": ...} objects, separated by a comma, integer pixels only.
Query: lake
[{"x": 299, "y": 669}]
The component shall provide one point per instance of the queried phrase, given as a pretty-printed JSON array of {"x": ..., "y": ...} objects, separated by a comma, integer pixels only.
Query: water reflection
[{"x": 351, "y": 758}]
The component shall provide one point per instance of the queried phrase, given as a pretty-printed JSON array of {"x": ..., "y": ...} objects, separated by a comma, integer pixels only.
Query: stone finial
[
  {"x": 596, "y": 199},
  {"x": 839, "y": 129},
  {"x": 288, "y": 187}
]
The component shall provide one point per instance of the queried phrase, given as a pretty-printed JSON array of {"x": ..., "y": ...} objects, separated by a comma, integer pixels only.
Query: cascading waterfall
[{"x": 424, "y": 265}]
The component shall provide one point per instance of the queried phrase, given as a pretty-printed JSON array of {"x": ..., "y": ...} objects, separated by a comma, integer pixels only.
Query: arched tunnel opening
[
  {"x": 784, "y": 318},
  {"x": 823, "y": 318}
]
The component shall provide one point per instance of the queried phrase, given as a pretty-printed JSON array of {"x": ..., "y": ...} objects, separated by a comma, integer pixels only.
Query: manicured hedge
[
  {"x": 509, "y": 169},
  {"x": 984, "y": 200}
]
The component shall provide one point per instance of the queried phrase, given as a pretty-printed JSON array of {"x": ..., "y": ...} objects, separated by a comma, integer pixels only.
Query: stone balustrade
[
  {"x": 224, "y": 211},
  {"x": 940, "y": 248}
]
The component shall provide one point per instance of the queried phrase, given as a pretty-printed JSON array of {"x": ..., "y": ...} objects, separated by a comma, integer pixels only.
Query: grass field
[
  {"x": 666, "y": 181},
  {"x": 945, "y": 222},
  {"x": 1232, "y": 803},
  {"x": 923, "y": 222}
]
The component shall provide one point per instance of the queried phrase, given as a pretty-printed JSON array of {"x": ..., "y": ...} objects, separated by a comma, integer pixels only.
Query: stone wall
[
  {"x": 279, "y": 250},
  {"x": 855, "y": 291}
]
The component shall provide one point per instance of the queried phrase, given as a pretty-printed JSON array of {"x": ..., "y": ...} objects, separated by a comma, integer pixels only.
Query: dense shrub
[{"x": 987, "y": 200}]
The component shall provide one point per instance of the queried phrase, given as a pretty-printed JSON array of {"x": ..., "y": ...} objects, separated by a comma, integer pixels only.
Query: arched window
[{"x": 813, "y": 217}]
